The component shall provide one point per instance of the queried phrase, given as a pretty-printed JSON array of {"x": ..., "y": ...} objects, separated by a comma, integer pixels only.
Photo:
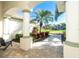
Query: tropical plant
[
  {"x": 57, "y": 13},
  {"x": 63, "y": 25},
  {"x": 43, "y": 17}
]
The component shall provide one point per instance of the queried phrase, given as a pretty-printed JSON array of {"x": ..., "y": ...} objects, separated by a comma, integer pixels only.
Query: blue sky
[{"x": 47, "y": 5}]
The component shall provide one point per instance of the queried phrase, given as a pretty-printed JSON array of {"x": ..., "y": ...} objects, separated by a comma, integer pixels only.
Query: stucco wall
[{"x": 1, "y": 20}]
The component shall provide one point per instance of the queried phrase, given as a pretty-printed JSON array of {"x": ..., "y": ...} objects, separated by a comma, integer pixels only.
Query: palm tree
[
  {"x": 57, "y": 13},
  {"x": 43, "y": 16}
]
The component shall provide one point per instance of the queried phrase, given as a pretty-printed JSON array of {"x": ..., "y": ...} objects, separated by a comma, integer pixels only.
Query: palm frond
[{"x": 57, "y": 13}]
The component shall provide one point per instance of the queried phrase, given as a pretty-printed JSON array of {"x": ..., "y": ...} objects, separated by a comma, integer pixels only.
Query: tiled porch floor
[{"x": 39, "y": 50}]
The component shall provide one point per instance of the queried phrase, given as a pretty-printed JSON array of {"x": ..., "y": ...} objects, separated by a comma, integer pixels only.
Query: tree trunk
[{"x": 40, "y": 25}]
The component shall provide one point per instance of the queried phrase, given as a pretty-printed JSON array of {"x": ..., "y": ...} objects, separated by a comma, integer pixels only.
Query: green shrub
[{"x": 17, "y": 37}]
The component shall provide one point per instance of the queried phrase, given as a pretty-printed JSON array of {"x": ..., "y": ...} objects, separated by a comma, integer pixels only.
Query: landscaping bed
[{"x": 37, "y": 37}]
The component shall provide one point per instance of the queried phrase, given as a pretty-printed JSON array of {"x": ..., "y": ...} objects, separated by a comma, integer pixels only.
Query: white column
[
  {"x": 26, "y": 40},
  {"x": 71, "y": 47},
  {"x": 26, "y": 23}
]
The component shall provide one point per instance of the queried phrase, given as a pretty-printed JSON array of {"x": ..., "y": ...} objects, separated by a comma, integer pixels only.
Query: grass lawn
[{"x": 53, "y": 31}]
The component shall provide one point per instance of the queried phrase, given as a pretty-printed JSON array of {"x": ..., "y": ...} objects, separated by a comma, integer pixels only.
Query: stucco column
[
  {"x": 71, "y": 46},
  {"x": 26, "y": 40},
  {"x": 26, "y": 23}
]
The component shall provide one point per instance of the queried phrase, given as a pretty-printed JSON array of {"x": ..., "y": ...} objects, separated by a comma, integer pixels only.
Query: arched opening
[{"x": 55, "y": 23}]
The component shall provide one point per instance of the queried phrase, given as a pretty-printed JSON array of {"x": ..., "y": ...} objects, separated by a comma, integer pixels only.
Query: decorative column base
[{"x": 26, "y": 42}]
